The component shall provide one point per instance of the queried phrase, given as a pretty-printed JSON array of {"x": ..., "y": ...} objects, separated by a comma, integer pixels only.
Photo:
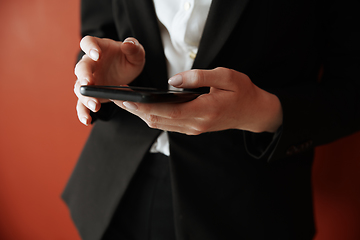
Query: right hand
[{"x": 106, "y": 62}]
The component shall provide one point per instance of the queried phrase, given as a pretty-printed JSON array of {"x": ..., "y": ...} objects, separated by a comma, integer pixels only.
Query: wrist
[
  {"x": 269, "y": 115},
  {"x": 275, "y": 114}
]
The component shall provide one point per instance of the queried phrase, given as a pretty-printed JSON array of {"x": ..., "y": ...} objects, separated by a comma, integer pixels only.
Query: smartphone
[{"x": 138, "y": 94}]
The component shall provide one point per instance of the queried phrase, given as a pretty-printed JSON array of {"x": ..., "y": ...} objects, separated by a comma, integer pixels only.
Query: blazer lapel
[
  {"x": 146, "y": 29},
  {"x": 222, "y": 19}
]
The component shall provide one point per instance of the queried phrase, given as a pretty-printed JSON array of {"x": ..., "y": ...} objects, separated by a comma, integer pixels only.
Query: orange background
[{"x": 41, "y": 138}]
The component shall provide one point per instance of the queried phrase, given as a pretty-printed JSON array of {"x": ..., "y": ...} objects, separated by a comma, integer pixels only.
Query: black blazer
[{"x": 230, "y": 184}]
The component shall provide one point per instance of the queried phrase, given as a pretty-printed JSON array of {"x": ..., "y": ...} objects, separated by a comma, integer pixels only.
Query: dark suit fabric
[{"x": 226, "y": 185}]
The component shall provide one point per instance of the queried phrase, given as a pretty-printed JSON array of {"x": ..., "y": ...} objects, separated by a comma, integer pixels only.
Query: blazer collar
[{"x": 222, "y": 19}]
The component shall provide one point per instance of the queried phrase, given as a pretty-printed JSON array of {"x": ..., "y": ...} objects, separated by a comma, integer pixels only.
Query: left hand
[
  {"x": 106, "y": 62},
  {"x": 233, "y": 102}
]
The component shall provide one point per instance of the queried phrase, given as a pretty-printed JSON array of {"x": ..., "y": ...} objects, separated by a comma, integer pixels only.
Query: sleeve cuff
[{"x": 261, "y": 145}]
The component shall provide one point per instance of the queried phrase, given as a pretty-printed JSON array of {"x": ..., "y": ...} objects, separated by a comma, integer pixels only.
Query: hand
[
  {"x": 233, "y": 102},
  {"x": 106, "y": 62}
]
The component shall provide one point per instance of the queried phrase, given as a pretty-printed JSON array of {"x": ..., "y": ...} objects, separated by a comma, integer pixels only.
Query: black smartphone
[{"x": 138, "y": 94}]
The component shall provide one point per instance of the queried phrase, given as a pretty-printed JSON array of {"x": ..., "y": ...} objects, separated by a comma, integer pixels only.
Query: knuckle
[
  {"x": 84, "y": 40},
  {"x": 219, "y": 68},
  {"x": 78, "y": 67},
  {"x": 226, "y": 73},
  {"x": 152, "y": 119},
  {"x": 88, "y": 42},
  {"x": 78, "y": 107},
  {"x": 151, "y": 125},
  {"x": 198, "y": 76},
  {"x": 77, "y": 91},
  {"x": 206, "y": 123},
  {"x": 175, "y": 113},
  {"x": 197, "y": 127},
  {"x": 202, "y": 128},
  {"x": 193, "y": 132},
  {"x": 212, "y": 115}
]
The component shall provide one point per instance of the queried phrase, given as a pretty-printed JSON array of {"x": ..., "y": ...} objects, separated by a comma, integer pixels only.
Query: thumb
[
  {"x": 133, "y": 51},
  {"x": 220, "y": 78}
]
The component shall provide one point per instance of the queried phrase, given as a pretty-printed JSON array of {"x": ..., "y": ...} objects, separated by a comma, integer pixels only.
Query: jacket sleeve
[
  {"x": 97, "y": 19},
  {"x": 321, "y": 112}
]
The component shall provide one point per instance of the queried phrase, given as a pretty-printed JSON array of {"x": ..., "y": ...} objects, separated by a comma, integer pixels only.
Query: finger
[
  {"x": 171, "y": 111},
  {"x": 186, "y": 126},
  {"x": 134, "y": 51},
  {"x": 188, "y": 130},
  {"x": 91, "y": 47},
  {"x": 220, "y": 78},
  {"x": 91, "y": 103},
  {"x": 83, "y": 113},
  {"x": 84, "y": 70},
  {"x": 186, "y": 110}
]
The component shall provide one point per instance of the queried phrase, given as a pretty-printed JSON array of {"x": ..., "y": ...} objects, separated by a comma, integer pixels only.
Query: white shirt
[{"x": 181, "y": 24}]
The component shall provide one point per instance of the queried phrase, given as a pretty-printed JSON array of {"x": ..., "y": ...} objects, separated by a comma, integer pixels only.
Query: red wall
[
  {"x": 336, "y": 183},
  {"x": 41, "y": 138}
]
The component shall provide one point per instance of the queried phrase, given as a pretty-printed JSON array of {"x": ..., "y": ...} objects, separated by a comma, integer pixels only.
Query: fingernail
[
  {"x": 84, "y": 82},
  {"x": 129, "y": 41},
  {"x": 130, "y": 105},
  {"x": 92, "y": 105},
  {"x": 176, "y": 80},
  {"x": 84, "y": 120},
  {"x": 94, "y": 54}
]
